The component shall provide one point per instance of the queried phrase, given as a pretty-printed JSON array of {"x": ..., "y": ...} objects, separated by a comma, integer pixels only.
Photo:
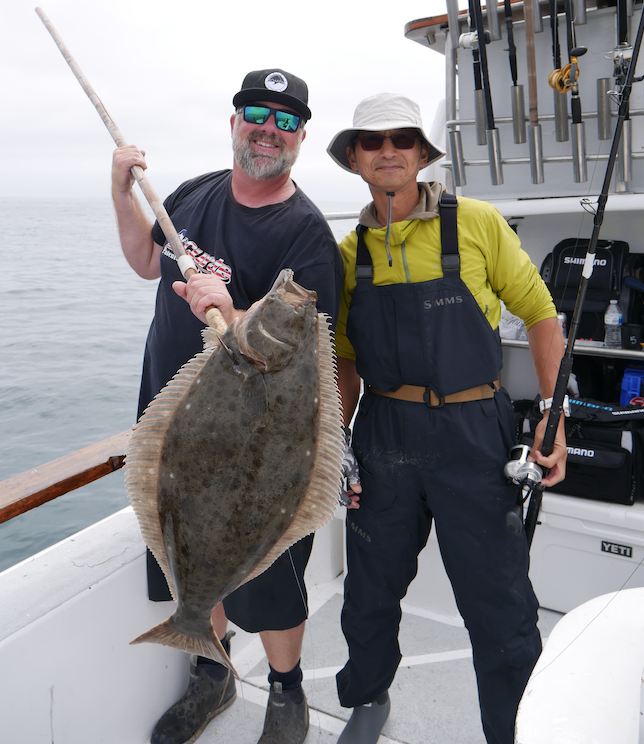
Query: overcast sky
[{"x": 166, "y": 71}]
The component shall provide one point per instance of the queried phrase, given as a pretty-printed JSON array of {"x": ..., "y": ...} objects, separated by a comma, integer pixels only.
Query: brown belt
[{"x": 417, "y": 394}]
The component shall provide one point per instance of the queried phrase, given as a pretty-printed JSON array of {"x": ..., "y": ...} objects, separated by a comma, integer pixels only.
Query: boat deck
[{"x": 434, "y": 698}]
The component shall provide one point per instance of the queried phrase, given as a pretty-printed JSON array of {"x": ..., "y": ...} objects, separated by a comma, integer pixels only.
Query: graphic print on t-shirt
[{"x": 204, "y": 261}]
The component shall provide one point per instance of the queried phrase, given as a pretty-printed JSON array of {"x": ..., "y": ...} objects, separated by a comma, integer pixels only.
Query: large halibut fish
[{"x": 237, "y": 458}]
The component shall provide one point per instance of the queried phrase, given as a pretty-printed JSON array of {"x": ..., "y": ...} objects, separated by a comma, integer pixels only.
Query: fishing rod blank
[
  {"x": 184, "y": 261},
  {"x": 560, "y": 102},
  {"x": 516, "y": 91},
  {"x": 493, "y": 137},
  {"x": 470, "y": 41},
  {"x": 534, "y": 130},
  {"x": 577, "y": 127},
  {"x": 621, "y": 61},
  {"x": 565, "y": 367}
]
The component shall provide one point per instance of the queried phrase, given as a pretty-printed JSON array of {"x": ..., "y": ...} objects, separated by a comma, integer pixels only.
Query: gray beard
[{"x": 262, "y": 167}]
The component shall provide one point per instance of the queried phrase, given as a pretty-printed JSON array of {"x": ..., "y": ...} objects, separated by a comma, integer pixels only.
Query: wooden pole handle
[{"x": 215, "y": 318}]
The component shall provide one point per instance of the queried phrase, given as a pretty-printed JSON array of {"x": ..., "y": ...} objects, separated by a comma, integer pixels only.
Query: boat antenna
[
  {"x": 516, "y": 91},
  {"x": 622, "y": 96},
  {"x": 184, "y": 261}
]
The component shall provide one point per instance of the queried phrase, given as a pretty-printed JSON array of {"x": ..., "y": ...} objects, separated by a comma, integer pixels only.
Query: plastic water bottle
[{"x": 613, "y": 326}]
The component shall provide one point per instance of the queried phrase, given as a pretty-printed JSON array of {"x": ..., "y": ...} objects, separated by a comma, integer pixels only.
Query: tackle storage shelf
[{"x": 585, "y": 349}]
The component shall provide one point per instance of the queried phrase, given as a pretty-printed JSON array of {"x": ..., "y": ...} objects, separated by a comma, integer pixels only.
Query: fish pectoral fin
[
  {"x": 254, "y": 394},
  {"x": 208, "y": 645}
]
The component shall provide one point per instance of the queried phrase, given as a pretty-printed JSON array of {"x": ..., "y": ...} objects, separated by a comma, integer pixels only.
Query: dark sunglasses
[
  {"x": 284, "y": 120},
  {"x": 400, "y": 140}
]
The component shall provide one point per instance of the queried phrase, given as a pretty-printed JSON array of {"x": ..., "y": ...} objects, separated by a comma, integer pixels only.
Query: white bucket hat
[{"x": 380, "y": 113}]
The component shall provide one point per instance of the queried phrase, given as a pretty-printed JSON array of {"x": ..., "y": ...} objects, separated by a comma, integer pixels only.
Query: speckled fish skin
[
  {"x": 249, "y": 449},
  {"x": 237, "y": 459}
]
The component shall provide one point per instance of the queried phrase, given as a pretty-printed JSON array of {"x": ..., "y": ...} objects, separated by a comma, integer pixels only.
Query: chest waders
[
  {"x": 431, "y": 437},
  {"x": 428, "y": 334}
]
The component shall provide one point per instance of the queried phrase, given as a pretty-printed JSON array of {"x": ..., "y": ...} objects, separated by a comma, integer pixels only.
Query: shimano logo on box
[
  {"x": 582, "y": 452},
  {"x": 596, "y": 262},
  {"x": 615, "y": 549}
]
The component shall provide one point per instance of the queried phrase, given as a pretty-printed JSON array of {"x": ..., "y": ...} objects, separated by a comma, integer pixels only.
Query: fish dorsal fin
[
  {"x": 321, "y": 499},
  {"x": 144, "y": 451}
]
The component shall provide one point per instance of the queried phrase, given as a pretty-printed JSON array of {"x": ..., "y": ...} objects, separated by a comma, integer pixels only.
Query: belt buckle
[{"x": 428, "y": 401}]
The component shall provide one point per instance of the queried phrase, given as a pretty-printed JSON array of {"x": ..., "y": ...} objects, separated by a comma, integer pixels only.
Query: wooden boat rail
[{"x": 25, "y": 491}]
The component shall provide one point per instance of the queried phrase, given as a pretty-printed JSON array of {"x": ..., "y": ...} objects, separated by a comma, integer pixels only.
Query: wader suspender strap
[
  {"x": 364, "y": 264},
  {"x": 450, "y": 258}
]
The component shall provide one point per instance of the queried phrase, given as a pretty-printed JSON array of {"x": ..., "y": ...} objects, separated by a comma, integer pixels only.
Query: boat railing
[
  {"x": 341, "y": 215},
  {"x": 25, "y": 491}
]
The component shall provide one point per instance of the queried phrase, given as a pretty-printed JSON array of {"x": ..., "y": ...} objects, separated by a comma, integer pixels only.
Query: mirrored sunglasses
[
  {"x": 284, "y": 120},
  {"x": 375, "y": 140}
]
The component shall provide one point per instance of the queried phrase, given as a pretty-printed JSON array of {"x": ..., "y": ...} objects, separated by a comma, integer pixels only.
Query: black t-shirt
[{"x": 247, "y": 248}]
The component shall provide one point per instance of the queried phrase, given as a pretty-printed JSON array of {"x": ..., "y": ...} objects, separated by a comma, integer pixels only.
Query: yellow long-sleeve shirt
[{"x": 493, "y": 265}]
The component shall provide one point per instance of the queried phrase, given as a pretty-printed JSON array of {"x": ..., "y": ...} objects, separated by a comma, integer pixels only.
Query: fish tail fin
[{"x": 208, "y": 645}]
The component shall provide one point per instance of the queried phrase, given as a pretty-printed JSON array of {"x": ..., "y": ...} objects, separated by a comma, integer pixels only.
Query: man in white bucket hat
[{"x": 424, "y": 275}]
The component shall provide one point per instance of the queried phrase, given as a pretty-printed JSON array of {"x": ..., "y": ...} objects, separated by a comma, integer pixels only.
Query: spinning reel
[{"x": 526, "y": 474}]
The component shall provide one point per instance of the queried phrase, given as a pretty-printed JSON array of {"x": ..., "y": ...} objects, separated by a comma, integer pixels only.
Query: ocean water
[{"x": 74, "y": 318}]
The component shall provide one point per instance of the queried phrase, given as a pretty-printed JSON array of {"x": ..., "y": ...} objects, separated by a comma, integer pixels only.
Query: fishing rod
[
  {"x": 621, "y": 59},
  {"x": 561, "y": 107},
  {"x": 577, "y": 126},
  {"x": 184, "y": 261},
  {"x": 459, "y": 177},
  {"x": 471, "y": 41},
  {"x": 493, "y": 137},
  {"x": 516, "y": 92},
  {"x": 534, "y": 130},
  {"x": 529, "y": 475},
  {"x": 567, "y": 79}
]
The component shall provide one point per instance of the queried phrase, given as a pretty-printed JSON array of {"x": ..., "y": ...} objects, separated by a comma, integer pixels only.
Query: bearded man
[{"x": 242, "y": 227}]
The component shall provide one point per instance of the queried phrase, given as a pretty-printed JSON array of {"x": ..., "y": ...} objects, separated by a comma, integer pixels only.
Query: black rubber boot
[
  {"x": 287, "y": 716},
  {"x": 211, "y": 690},
  {"x": 366, "y": 723}
]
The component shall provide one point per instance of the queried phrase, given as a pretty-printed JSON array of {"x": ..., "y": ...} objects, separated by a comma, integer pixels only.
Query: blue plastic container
[{"x": 631, "y": 385}]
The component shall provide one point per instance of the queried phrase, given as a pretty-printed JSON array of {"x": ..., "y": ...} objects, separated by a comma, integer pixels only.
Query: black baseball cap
[{"x": 277, "y": 86}]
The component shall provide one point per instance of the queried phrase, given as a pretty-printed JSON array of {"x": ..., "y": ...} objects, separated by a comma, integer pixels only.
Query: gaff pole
[
  {"x": 185, "y": 262},
  {"x": 566, "y": 363}
]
